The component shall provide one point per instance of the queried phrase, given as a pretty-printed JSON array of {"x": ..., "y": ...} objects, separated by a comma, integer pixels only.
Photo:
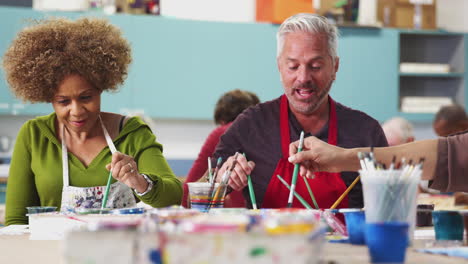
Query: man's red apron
[{"x": 327, "y": 187}]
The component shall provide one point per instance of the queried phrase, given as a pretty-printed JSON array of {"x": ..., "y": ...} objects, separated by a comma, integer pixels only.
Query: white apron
[{"x": 120, "y": 195}]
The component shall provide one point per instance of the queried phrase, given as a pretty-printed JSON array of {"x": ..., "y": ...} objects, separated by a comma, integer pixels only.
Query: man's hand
[{"x": 238, "y": 176}]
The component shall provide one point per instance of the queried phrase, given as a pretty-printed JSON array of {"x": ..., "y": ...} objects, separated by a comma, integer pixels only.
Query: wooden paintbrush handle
[{"x": 345, "y": 193}]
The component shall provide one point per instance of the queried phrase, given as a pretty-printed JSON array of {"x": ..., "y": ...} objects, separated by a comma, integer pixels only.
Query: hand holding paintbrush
[
  {"x": 238, "y": 177},
  {"x": 317, "y": 155}
]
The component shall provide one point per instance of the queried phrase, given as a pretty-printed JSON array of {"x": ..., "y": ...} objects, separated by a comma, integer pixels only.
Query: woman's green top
[{"x": 35, "y": 176}]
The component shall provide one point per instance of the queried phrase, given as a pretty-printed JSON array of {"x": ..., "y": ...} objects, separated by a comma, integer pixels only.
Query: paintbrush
[
  {"x": 210, "y": 176},
  {"x": 215, "y": 174},
  {"x": 251, "y": 191},
  {"x": 301, "y": 200},
  {"x": 295, "y": 172},
  {"x": 224, "y": 181},
  {"x": 342, "y": 196},
  {"x": 109, "y": 178}
]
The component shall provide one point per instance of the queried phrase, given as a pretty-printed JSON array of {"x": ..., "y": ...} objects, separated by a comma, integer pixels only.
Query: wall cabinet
[
  {"x": 181, "y": 67},
  {"x": 445, "y": 54}
]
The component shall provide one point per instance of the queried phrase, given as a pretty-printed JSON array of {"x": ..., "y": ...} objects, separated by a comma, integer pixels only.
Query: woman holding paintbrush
[{"x": 63, "y": 159}]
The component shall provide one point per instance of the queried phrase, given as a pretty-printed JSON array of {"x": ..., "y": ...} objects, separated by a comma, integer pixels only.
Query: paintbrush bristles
[
  {"x": 218, "y": 165},
  {"x": 234, "y": 162}
]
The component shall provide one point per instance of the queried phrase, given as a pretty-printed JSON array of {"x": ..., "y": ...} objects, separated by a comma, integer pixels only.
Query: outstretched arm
[{"x": 320, "y": 156}]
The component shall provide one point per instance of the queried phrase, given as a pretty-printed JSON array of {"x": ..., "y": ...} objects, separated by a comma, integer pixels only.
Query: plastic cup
[
  {"x": 448, "y": 225},
  {"x": 390, "y": 196},
  {"x": 387, "y": 242},
  {"x": 465, "y": 221},
  {"x": 203, "y": 197},
  {"x": 355, "y": 224},
  {"x": 424, "y": 214}
]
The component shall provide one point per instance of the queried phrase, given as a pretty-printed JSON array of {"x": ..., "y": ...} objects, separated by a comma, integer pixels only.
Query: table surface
[{"x": 19, "y": 249}]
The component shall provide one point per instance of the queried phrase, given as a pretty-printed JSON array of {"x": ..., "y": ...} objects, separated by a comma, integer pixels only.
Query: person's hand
[
  {"x": 315, "y": 156},
  {"x": 125, "y": 169},
  {"x": 238, "y": 177}
]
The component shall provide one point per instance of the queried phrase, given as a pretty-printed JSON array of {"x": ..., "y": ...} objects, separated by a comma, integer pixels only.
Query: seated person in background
[
  {"x": 228, "y": 107},
  {"x": 307, "y": 61},
  {"x": 63, "y": 159},
  {"x": 449, "y": 120},
  {"x": 446, "y": 159},
  {"x": 398, "y": 131}
]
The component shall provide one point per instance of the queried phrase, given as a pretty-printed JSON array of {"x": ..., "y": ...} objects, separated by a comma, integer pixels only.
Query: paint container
[
  {"x": 424, "y": 214},
  {"x": 390, "y": 196},
  {"x": 464, "y": 214},
  {"x": 448, "y": 225},
  {"x": 387, "y": 242},
  {"x": 135, "y": 210},
  {"x": 93, "y": 211},
  {"x": 355, "y": 224},
  {"x": 202, "y": 196},
  {"x": 465, "y": 222},
  {"x": 228, "y": 211},
  {"x": 41, "y": 209}
]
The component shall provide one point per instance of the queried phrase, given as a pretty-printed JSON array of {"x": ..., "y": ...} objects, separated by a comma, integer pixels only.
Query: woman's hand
[
  {"x": 125, "y": 169},
  {"x": 316, "y": 156}
]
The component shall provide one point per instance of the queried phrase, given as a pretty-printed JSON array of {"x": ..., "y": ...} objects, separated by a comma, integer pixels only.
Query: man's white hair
[
  {"x": 311, "y": 23},
  {"x": 398, "y": 126}
]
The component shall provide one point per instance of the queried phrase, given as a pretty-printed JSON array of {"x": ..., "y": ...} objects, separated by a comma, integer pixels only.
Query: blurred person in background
[
  {"x": 398, "y": 131},
  {"x": 228, "y": 107},
  {"x": 63, "y": 159},
  {"x": 449, "y": 120}
]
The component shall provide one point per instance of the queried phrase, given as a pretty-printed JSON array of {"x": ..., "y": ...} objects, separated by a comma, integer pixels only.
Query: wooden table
[{"x": 19, "y": 249}]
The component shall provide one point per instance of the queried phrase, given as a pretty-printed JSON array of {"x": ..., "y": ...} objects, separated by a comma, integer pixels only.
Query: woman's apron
[
  {"x": 120, "y": 195},
  {"x": 327, "y": 187}
]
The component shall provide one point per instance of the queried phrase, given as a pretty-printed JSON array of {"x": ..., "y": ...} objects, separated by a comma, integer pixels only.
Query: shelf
[
  {"x": 417, "y": 116},
  {"x": 432, "y": 49},
  {"x": 427, "y": 32},
  {"x": 355, "y": 25},
  {"x": 435, "y": 75}
]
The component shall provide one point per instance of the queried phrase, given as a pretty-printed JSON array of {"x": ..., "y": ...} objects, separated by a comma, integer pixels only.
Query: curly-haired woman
[{"x": 63, "y": 159}]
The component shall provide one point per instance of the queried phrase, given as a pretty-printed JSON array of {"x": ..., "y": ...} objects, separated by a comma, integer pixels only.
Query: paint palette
[
  {"x": 93, "y": 211},
  {"x": 135, "y": 210},
  {"x": 41, "y": 209}
]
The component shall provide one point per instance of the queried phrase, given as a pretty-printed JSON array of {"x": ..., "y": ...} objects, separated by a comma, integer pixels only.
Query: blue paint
[
  {"x": 387, "y": 242},
  {"x": 355, "y": 223},
  {"x": 155, "y": 256},
  {"x": 448, "y": 225}
]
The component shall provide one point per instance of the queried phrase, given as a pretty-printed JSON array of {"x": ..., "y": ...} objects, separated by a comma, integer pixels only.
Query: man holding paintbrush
[{"x": 308, "y": 62}]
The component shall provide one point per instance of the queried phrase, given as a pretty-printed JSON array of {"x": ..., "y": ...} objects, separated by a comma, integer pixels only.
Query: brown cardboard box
[
  {"x": 277, "y": 11},
  {"x": 400, "y": 14},
  {"x": 325, "y": 6}
]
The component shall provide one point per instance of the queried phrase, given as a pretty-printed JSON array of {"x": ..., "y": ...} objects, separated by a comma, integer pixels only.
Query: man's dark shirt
[{"x": 256, "y": 133}]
